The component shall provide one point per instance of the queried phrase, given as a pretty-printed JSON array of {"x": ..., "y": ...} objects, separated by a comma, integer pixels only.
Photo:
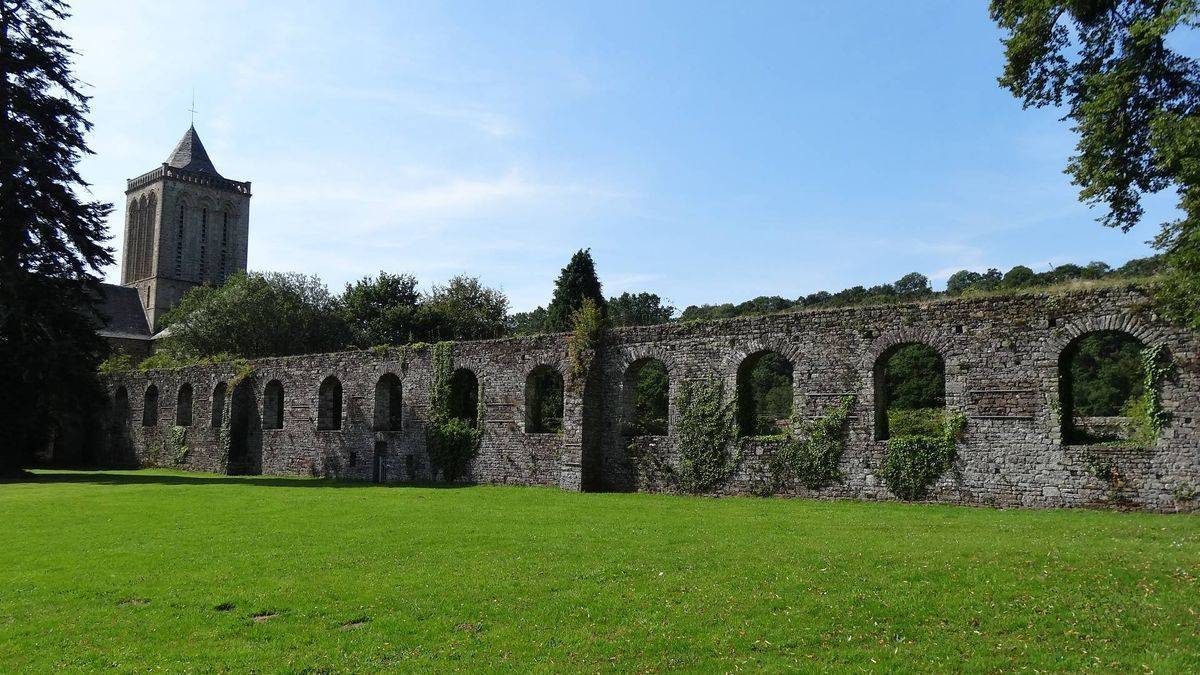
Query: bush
[
  {"x": 117, "y": 363},
  {"x": 916, "y": 422},
  {"x": 914, "y": 463}
]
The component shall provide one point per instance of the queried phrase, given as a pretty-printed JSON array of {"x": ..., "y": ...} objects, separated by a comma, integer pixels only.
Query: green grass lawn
[{"x": 158, "y": 570}]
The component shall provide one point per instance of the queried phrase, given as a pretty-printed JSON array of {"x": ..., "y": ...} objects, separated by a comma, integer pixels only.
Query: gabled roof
[
  {"x": 120, "y": 312},
  {"x": 190, "y": 155}
]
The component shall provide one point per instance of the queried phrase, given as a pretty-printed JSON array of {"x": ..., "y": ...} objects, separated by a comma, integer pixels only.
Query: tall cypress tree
[
  {"x": 52, "y": 243},
  {"x": 576, "y": 282}
]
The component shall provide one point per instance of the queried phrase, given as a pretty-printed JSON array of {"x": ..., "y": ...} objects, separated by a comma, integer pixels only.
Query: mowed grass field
[{"x": 156, "y": 570}]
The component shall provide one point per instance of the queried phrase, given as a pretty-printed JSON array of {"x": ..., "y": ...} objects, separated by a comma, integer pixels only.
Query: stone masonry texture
[{"x": 1001, "y": 356}]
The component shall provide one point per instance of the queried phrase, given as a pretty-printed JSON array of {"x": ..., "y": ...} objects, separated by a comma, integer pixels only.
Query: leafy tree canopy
[
  {"x": 383, "y": 309},
  {"x": 638, "y": 309},
  {"x": 254, "y": 315},
  {"x": 1134, "y": 102},
  {"x": 465, "y": 309}
]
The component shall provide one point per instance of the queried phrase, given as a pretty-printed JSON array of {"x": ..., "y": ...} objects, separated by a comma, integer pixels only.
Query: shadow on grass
[{"x": 119, "y": 477}]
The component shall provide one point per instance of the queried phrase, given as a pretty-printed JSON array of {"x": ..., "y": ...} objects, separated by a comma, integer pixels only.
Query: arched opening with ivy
[
  {"x": 272, "y": 415},
  {"x": 464, "y": 397},
  {"x": 1101, "y": 387},
  {"x": 150, "y": 406},
  {"x": 910, "y": 391},
  {"x": 645, "y": 396},
  {"x": 329, "y": 405},
  {"x": 544, "y": 401},
  {"x": 764, "y": 394},
  {"x": 218, "y": 405},
  {"x": 388, "y": 403},
  {"x": 183, "y": 406}
]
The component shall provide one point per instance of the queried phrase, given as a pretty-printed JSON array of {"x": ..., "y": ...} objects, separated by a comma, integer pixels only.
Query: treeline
[
  {"x": 916, "y": 286},
  {"x": 273, "y": 314}
]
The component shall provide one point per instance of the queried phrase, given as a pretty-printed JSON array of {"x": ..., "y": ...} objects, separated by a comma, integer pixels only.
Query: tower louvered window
[
  {"x": 179, "y": 243},
  {"x": 224, "y": 246},
  {"x": 202, "y": 273}
]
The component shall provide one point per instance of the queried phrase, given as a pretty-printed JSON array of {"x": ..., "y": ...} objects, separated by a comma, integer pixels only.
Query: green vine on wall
[
  {"x": 587, "y": 335},
  {"x": 913, "y": 463},
  {"x": 177, "y": 442},
  {"x": 451, "y": 442},
  {"x": 1146, "y": 414},
  {"x": 706, "y": 428},
  {"x": 812, "y": 454}
]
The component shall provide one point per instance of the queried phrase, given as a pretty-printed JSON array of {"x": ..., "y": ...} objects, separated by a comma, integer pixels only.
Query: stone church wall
[{"x": 1001, "y": 358}]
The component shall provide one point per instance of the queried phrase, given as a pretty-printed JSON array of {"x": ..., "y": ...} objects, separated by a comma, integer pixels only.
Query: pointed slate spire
[{"x": 190, "y": 155}]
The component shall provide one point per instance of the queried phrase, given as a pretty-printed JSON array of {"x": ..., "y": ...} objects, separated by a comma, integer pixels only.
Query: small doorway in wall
[{"x": 377, "y": 470}]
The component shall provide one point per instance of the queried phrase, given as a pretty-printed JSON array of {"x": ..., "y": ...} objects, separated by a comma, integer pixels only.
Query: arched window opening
[
  {"x": 218, "y": 405},
  {"x": 645, "y": 396},
  {"x": 150, "y": 407},
  {"x": 1101, "y": 386},
  {"x": 179, "y": 239},
  {"x": 910, "y": 392},
  {"x": 464, "y": 396},
  {"x": 121, "y": 407},
  {"x": 329, "y": 405},
  {"x": 183, "y": 406},
  {"x": 764, "y": 394},
  {"x": 131, "y": 241},
  {"x": 272, "y": 415},
  {"x": 388, "y": 401},
  {"x": 544, "y": 401}
]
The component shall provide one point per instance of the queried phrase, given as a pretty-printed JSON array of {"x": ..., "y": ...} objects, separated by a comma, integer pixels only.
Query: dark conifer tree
[
  {"x": 52, "y": 242},
  {"x": 577, "y": 281}
]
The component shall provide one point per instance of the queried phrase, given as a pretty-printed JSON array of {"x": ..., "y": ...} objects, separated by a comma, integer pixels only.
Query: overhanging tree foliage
[
  {"x": 1135, "y": 103},
  {"x": 51, "y": 240}
]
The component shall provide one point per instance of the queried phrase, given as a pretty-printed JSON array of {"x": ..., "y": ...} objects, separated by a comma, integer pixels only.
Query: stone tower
[{"x": 186, "y": 225}]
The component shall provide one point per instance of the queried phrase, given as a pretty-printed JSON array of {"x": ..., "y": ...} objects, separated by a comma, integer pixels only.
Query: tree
[
  {"x": 464, "y": 309},
  {"x": 382, "y": 310},
  {"x": 1019, "y": 276},
  {"x": 962, "y": 281},
  {"x": 576, "y": 281},
  {"x": 1134, "y": 102},
  {"x": 255, "y": 315},
  {"x": 763, "y": 304},
  {"x": 642, "y": 309},
  {"x": 532, "y": 322},
  {"x": 913, "y": 285},
  {"x": 52, "y": 244}
]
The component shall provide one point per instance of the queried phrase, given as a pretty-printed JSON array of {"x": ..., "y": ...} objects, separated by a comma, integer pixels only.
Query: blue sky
[{"x": 708, "y": 153}]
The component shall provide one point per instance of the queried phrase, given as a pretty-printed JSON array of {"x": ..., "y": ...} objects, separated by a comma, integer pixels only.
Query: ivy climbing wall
[{"x": 1002, "y": 369}]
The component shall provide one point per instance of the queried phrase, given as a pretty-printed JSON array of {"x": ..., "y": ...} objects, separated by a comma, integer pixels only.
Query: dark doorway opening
[
  {"x": 377, "y": 470},
  {"x": 243, "y": 459}
]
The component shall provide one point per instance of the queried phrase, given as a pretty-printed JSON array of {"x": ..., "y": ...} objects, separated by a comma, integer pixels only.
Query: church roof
[
  {"x": 190, "y": 155},
  {"x": 120, "y": 314}
]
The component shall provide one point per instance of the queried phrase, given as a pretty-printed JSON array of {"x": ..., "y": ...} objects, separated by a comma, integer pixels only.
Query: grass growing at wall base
[{"x": 159, "y": 570}]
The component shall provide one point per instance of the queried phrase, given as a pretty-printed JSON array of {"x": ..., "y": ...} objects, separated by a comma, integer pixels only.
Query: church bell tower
[{"x": 185, "y": 225}]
